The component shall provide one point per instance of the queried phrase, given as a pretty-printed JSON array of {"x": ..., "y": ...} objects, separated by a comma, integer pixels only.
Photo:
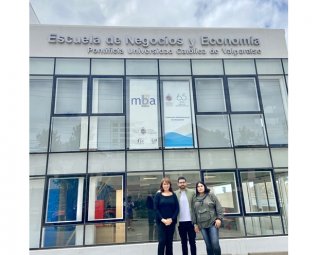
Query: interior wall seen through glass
[
  {"x": 258, "y": 191},
  {"x": 108, "y": 67},
  {"x": 248, "y": 129},
  {"x": 107, "y": 133},
  {"x": 71, "y": 96},
  {"x": 105, "y": 200},
  {"x": 107, "y": 96},
  {"x": 69, "y": 133},
  {"x": 43, "y": 66},
  {"x": 36, "y": 191},
  {"x": 243, "y": 94},
  {"x": 40, "y": 110},
  {"x": 207, "y": 67},
  {"x": 213, "y": 131},
  {"x": 140, "y": 214},
  {"x": 74, "y": 66},
  {"x": 62, "y": 236},
  {"x": 274, "y": 97},
  {"x": 210, "y": 95},
  {"x": 223, "y": 185},
  {"x": 64, "y": 200}
]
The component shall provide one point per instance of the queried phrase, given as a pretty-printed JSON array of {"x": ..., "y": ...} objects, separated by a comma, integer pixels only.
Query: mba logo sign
[
  {"x": 143, "y": 101},
  {"x": 143, "y": 114}
]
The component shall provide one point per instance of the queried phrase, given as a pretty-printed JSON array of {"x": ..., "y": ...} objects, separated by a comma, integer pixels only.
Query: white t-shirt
[{"x": 184, "y": 208}]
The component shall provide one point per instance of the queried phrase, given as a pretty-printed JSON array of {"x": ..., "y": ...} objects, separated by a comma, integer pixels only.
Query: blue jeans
[{"x": 211, "y": 239}]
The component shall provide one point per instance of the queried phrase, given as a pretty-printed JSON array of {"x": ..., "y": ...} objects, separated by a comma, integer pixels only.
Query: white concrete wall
[{"x": 228, "y": 246}]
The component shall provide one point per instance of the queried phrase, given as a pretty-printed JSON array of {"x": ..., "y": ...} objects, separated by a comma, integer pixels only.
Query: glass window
[
  {"x": 174, "y": 67},
  {"x": 207, "y": 67},
  {"x": 41, "y": 65},
  {"x": 107, "y": 96},
  {"x": 107, "y": 133},
  {"x": 232, "y": 227},
  {"x": 262, "y": 226},
  {"x": 280, "y": 157},
  {"x": 37, "y": 164},
  {"x": 243, "y": 94},
  {"x": 258, "y": 192},
  {"x": 217, "y": 159},
  {"x": 109, "y": 233},
  {"x": 213, "y": 131},
  {"x": 71, "y": 95},
  {"x": 108, "y": 67},
  {"x": 64, "y": 200},
  {"x": 69, "y": 134},
  {"x": 35, "y": 205},
  {"x": 282, "y": 187},
  {"x": 62, "y": 236},
  {"x": 269, "y": 66},
  {"x": 67, "y": 163},
  {"x": 144, "y": 160},
  {"x": 274, "y": 97},
  {"x": 40, "y": 109},
  {"x": 141, "y": 189},
  {"x": 141, "y": 67},
  {"x": 72, "y": 66},
  {"x": 210, "y": 95},
  {"x": 252, "y": 158},
  {"x": 105, "y": 197},
  {"x": 181, "y": 159},
  {"x": 223, "y": 185},
  {"x": 285, "y": 64},
  {"x": 239, "y": 66},
  {"x": 106, "y": 162},
  {"x": 248, "y": 129}
]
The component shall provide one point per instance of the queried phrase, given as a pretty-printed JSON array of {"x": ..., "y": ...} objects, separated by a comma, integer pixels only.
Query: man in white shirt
[{"x": 186, "y": 229}]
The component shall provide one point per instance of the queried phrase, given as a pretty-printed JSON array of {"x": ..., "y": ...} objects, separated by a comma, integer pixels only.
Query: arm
[
  {"x": 218, "y": 211},
  {"x": 156, "y": 206},
  {"x": 218, "y": 208},
  {"x": 194, "y": 218},
  {"x": 176, "y": 212}
]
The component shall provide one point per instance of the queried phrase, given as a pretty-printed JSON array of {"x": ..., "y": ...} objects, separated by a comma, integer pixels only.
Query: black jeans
[
  {"x": 165, "y": 238},
  {"x": 186, "y": 232}
]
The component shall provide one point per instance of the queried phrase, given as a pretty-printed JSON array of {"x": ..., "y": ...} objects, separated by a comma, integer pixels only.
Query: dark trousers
[
  {"x": 186, "y": 232},
  {"x": 165, "y": 238}
]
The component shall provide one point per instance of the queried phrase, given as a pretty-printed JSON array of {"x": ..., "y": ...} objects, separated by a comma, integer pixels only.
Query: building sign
[
  {"x": 133, "y": 42},
  {"x": 143, "y": 114},
  {"x": 177, "y": 114}
]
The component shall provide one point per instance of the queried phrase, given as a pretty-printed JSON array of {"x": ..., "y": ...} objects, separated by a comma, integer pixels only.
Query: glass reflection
[{"x": 258, "y": 192}]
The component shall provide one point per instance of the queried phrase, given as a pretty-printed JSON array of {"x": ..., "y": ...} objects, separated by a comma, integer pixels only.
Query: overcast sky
[{"x": 164, "y": 13}]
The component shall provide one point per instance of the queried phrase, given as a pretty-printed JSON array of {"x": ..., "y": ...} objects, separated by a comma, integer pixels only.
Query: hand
[
  {"x": 196, "y": 229},
  {"x": 217, "y": 223},
  {"x": 168, "y": 221}
]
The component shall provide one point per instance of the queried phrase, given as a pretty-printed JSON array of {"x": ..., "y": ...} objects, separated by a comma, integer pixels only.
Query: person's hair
[
  {"x": 181, "y": 178},
  {"x": 166, "y": 180},
  {"x": 206, "y": 189}
]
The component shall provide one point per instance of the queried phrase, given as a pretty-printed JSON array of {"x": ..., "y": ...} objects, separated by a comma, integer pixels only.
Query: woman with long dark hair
[
  {"x": 208, "y": 216},
  {"x": 167, "y": 209}
]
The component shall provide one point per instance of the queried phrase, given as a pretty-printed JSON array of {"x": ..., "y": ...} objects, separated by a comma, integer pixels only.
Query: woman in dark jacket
[
  {"x": 208, "y": 216},
  {"x": 167, "y": 209}
]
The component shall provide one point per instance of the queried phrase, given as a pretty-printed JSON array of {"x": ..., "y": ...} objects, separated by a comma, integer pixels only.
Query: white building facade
[{"x": 114, "y": 109}]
